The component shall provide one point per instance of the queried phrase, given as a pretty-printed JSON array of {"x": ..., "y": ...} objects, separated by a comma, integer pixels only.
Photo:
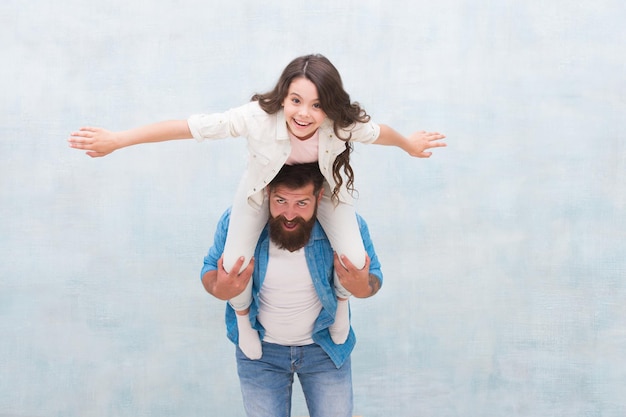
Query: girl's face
[{"x": 303, "y": 110}]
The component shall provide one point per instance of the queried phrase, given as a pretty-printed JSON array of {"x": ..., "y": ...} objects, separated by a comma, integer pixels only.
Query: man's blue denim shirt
[{"x": 319, "y": 256}]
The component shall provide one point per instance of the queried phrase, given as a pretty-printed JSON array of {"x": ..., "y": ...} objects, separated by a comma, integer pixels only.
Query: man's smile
[{"x": 290, "y": 225}]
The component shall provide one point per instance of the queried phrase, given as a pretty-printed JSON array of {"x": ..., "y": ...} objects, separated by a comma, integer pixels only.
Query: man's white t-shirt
[{"x": 288, "y": 302}]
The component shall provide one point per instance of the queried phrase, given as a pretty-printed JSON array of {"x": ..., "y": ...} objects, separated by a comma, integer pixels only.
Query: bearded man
[{"x": 293, "y": 301}]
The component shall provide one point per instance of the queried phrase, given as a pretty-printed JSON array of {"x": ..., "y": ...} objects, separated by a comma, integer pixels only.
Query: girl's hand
[
  {"x": 96, "y": 141},
  {"x": 420, "y": 141}
]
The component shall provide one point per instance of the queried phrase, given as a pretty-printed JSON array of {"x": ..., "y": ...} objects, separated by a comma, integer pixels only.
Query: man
[{"x": 293, "y": 301}]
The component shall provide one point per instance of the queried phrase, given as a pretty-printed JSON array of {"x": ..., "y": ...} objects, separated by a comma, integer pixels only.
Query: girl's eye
[
  {"x": 295, "y": 101},
  {"x": 317, "y": 106}
]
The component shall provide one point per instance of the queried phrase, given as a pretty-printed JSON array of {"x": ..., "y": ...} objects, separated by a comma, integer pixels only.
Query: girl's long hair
[{"x": 334, "y": 100}]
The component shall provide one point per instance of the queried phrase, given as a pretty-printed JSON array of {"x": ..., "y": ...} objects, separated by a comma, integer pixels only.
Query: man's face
[{"x": 292, "y": 215}]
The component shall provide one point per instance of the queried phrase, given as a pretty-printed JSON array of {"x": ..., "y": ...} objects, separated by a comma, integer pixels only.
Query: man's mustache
[
  {"x": 294, "y": 237},
  {"x": 282, "y": 219}
]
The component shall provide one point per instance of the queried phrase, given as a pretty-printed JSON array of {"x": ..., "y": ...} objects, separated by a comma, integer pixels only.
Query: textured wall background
[{"x": 503, "y": 254}]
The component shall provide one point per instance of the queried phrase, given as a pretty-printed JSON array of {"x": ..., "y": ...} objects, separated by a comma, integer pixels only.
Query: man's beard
[{"x": 294, "y": 239}]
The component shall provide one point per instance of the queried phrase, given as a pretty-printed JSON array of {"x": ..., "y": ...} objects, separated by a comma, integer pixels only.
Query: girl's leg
[
  {"x": 341, "y": 226},
  {"x": 246, "y": 224},
  {"x": 244, "y": 229}
]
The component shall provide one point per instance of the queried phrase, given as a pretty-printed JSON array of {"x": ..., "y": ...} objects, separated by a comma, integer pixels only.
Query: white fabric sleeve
[
  {"x": 365, "y": 132},
  {"x": 231, "y": 123}
]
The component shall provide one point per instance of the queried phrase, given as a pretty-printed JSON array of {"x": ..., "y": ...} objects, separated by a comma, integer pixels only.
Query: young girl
[{"x": 307, "y": 117}]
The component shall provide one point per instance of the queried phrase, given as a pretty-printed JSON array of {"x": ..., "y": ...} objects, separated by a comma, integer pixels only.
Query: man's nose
[{"x": 289, "y": 214}]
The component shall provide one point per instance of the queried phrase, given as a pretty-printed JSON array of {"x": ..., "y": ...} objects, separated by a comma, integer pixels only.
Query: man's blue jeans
[{"x": 266, "y": 384}]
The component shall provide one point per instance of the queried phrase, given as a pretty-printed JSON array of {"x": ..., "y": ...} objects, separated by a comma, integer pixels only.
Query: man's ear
[{"x": 320, "y": 195}]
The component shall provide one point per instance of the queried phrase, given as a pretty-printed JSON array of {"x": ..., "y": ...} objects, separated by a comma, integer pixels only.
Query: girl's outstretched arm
[
  {"x": 415, "y": 144},
  {"x": 100, "y": 142}
]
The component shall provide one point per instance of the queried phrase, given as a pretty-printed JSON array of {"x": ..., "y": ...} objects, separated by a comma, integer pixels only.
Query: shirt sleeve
[
  {"x": 375, "y": 267},
  {"x": 217, "y": 249},
  {"x": 232, "y": 123},
  {"x": 365, "y": 132}
]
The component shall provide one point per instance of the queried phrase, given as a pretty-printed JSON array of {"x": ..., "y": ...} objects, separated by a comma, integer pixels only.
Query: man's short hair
[{"x": 298, "y": 176}]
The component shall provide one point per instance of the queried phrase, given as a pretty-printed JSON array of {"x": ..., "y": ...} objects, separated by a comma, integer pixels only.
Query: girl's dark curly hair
[{"x": 334, "y": 100}]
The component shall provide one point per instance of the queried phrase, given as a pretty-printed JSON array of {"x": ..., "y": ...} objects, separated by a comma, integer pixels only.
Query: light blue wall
[{"x": 504, "y": 254}]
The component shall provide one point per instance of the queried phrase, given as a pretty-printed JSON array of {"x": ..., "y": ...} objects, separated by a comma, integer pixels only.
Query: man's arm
[
  {"x": 224, "y": 285},
  {"x": 360, "y": 282}
]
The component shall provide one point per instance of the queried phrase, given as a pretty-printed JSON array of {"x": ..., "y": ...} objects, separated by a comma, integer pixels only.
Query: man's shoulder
[
  {"x": 225, "y": 217},
  {"x": 221, "y": 229},
  {"x": 224, "y": 222},
  {"x": 317, "y": 233},
  {"x": 361, "y": 221}
]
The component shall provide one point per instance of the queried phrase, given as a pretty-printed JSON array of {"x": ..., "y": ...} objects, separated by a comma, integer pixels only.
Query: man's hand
[
  {"x": 226, "y": 285},
  {"x": 359, "y": 282}
]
